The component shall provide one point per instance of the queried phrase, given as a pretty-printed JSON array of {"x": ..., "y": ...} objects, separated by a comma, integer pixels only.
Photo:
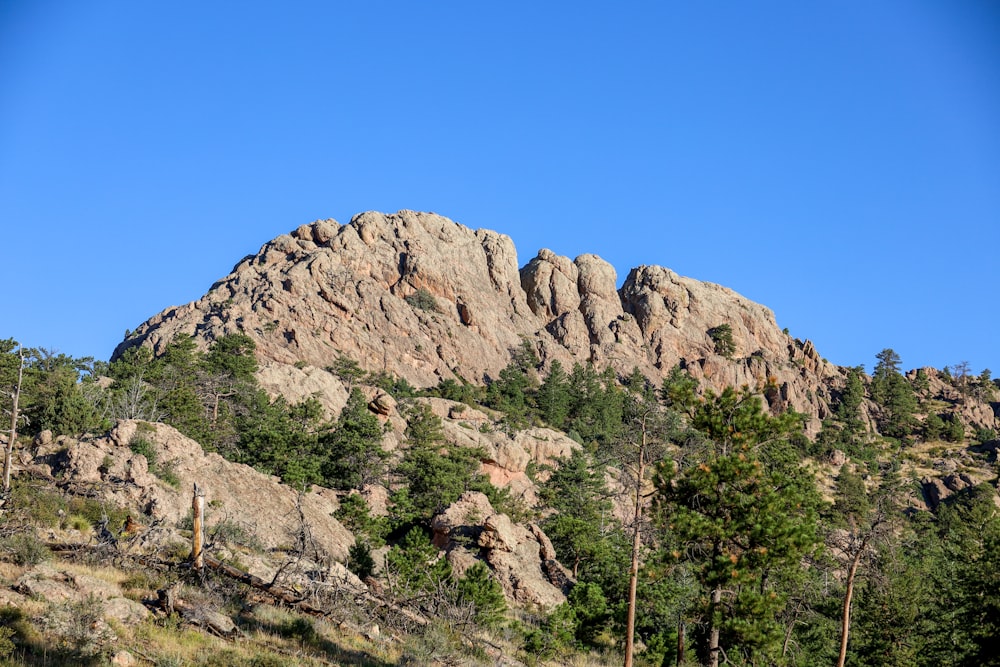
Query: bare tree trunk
[
  {"x": 198, "y": 533},
  {"x": 845, "y": 623},
  {"x": 8, "y": 450},
  {"x": 680, "y": 640},
  {"x": 713, "y": 634},
  {"x": 636, "y": 543}
]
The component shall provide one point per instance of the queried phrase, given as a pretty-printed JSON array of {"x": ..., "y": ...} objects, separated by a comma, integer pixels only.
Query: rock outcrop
[
  {"x": 521, "y": 557},
  {"x": 273, "y": 514},
  {"x": 505, "y": 457},
  {"x": 424, "y": 298}
]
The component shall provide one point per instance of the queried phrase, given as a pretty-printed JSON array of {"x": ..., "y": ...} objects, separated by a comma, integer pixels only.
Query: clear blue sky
[{"x": 838, "y": 162}]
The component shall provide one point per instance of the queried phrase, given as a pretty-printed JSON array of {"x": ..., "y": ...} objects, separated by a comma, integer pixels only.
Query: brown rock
[
  {"x": 498, "y": 534},
  {"x": 383, "y": 404},
  {"x": 934, "y": 491},
  {"x": 45, "y": 582},
  {"x": 123, "y": 659}
]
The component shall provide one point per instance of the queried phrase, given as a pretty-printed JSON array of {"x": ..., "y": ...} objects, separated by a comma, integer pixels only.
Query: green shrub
[
  {"x": 24, "y": 549},
  {"x": 360, "y": 560},
  {"x": 478, "y": 588},
  {"x": 167, "y": 471},
  {"x": 78, "y": 522},
  {"x": 95, "y": 511},
  {"x": 144, "y": 447},
  {"x": 40, "y": 504},
  {"x": 163, "y": 470},
  {"x": 722, "y": 336},
  {"x": 235, "y": 533},
  {"x": 6, "y": 645},
  {"x": 422, "y": 299}
]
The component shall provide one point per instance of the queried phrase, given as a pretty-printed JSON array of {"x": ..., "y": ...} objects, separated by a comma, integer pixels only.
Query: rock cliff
[{"x": 424, "y": 298}]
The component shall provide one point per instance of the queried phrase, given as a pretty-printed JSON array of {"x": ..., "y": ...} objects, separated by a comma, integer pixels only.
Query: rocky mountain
[
  {"x": 417, "y": 297},
  {"x": 421, "y": 297}
]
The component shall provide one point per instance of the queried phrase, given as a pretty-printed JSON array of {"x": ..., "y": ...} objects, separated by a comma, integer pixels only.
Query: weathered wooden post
[
  {"x": 8, "y": 449},
  {"x": 198, "y": 533}
]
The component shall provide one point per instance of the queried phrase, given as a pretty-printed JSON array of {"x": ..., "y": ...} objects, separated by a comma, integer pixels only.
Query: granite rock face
[{"x": 424, "y": 298}]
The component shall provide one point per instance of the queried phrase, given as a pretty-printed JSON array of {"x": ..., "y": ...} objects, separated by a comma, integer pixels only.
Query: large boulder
[{"x": 521, "y": 557}]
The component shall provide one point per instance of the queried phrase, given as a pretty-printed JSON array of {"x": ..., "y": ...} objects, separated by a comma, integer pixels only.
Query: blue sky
[{"x": 838, "y": 162}]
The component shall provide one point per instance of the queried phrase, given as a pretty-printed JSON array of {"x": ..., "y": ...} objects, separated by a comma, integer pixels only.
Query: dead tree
[
  {"x": 8, "y": 450},
  {"x": 198, "y": 532}
]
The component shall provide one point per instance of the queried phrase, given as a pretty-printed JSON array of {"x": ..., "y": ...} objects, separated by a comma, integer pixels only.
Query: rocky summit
[{"x": 424, "y": 298}]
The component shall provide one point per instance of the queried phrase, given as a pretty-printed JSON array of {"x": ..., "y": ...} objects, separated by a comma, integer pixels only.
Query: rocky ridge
[{"x": 424, "y": 298}]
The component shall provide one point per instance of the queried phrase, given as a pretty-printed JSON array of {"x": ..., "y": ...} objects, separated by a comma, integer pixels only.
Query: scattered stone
[
  {"x": 125, "y": 611},
  {"x": 123, "y": 659}
]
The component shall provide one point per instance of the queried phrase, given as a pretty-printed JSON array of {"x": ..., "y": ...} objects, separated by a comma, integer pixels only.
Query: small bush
[
  {"x": 79, "y": 625},
  {"x": 437, "y": 643},
  {"x": 78, "y": 522},
  {"x": 167, "y": 471},
  {"x": 143, "y": 580},
  {"x": 235, "y": 533},
  {"x": 144, "y": 447},
  {"x": 41, "y": 505},
  {"x": 299, "y": 628},
  {"x": 722, "y": 336},
  {"x": 422, "y": 299},
  {"x": 24, "y": 549},
  {"x": 6, "y": 645},
  {"x": 360, "y": 560},
  {"x": 163, "y": 470},
  {"x": 96, "y": 511},
  {"x": 13, "y": 624}
]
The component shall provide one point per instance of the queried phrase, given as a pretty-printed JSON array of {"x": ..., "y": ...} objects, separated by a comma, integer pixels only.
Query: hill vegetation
[{"x": 741, "y": 555}]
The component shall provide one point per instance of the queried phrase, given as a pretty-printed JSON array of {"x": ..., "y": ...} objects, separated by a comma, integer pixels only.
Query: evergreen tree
[
  {"x": 679, "y": 390},
  {"x": 479, "y": 589},
  {"x": 353, "y": 456},
  {"x": 52, "y": 396},
  {"x": 433, "y": 473},
  {"x": 894, "y": 396},
  {"x": 554, "y": 397},
  {"x": 576, "y": 490},
  {"x": 272, "y": 441},
  {"x": 744, "y": 514},
  {"x": 596, "y": 404}
]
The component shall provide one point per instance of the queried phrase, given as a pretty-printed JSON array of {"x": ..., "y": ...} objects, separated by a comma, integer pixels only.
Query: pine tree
[
  {"x": 742, "y": 512},
  {"x": 554, "y": 396},
  {"x": 353, "y": 453}
]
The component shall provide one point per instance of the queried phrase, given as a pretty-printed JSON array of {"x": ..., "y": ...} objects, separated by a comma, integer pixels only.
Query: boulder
[{"x": 521, "y": 558}]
